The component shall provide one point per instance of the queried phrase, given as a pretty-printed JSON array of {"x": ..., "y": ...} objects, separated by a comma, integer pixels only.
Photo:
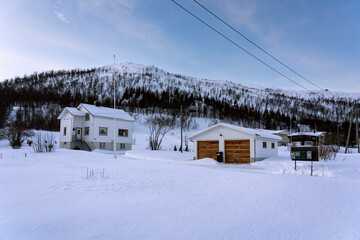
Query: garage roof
[{"x": 254, "y": 132}]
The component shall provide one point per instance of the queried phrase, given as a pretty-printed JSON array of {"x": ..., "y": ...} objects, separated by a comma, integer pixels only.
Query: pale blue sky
[{"x": 319, "y": 39}]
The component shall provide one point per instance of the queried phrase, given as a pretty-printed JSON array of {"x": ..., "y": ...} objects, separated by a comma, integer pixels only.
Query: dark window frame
[
  {"x": 126, "y": 131},
  {"x": 86, "y": 131},
  {"x": 103, "y": 128},
  {"x": 264, "y": 145}
]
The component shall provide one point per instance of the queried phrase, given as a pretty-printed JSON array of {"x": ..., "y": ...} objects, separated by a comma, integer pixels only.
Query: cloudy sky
[{"x": 319, "y": 39}]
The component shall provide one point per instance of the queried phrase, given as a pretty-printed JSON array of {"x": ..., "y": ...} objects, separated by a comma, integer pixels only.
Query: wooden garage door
[
  {"x": 207, "y": 149},
  {"x": 237, "y": 151}
]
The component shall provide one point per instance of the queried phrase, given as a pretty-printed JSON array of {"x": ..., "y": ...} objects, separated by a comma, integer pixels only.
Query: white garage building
[{"x": 238, "y": 144}]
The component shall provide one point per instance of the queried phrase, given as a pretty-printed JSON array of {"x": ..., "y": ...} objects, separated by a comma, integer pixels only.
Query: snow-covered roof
[
  {"x": 274, "y": 131},
  {"x": 107, "y": 112},
  {"x": 254, "y": 132},
  {"x": 75, "y": 111},
  {"x": 315, "y": 134},
  {"x": 72, "y": 111}
]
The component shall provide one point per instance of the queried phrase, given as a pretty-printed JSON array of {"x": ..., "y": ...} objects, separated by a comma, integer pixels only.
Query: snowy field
[{"x": 166, "y": 195}]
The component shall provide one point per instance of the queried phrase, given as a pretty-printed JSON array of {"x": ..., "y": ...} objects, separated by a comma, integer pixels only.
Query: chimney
[{"x": 97, "y": 103}]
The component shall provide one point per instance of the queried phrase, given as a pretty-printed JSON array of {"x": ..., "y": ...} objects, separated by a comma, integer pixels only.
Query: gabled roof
[
  {"x": 314, "y": 134},
  {"x": 250, "y": 131},
  {"x": 107, "y": 112},
  {"x": 72, "y": 111}
]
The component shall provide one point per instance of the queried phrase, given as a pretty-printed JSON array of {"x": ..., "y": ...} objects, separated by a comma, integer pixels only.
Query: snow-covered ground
[{"x": 145, "y": 194}]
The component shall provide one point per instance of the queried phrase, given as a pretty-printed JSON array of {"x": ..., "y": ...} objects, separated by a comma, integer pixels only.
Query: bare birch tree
[{"x": 159, "y": 126}]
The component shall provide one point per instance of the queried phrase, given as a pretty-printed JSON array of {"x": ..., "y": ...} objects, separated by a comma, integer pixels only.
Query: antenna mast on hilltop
[{"x": 114, "y": 113}]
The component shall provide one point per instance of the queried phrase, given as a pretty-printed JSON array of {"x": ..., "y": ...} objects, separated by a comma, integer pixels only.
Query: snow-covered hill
[{"x": 148, "y": 89}]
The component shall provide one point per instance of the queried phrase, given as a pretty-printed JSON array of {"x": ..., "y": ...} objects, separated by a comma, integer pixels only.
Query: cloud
[
  {"x": 17, "y": 64},
  {"x": 61, "y": 17},
  {"x": 130, "y": 4},
  {"x": 242, "y": 13},
  {"x": 125, "y": 17},
  {"x": 195, "y": 62}
]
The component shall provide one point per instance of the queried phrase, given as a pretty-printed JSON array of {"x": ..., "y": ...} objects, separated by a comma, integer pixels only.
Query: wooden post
[
  {"x": 351, "y": 120},
  {"x": 357, "y": 127},
  {"x": 311, "y": 168},
  {"x": 295, "y": 164},
  {"x": 181, "y": 127}
]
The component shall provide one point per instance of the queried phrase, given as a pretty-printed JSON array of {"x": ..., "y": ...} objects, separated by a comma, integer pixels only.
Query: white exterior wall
[
  {"x": 109, "y": 123},
  {"x": 90, "y": 124},
  {"x": 67, "y": 122},
  {"x": 268, "y": 151}
]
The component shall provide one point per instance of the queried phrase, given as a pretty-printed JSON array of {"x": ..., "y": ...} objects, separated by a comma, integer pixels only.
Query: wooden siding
[
  {"x": 237, "y": 151},
  {"x": 207, "y": 149}
]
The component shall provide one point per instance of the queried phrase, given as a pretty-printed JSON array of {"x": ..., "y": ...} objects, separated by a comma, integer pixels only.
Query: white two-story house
[{"x": 90, "y": 127}]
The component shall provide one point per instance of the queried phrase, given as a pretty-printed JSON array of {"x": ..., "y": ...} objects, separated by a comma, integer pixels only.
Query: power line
[
  {"x": 242, "y": 35},
  {"x": 237, "y": 45}
]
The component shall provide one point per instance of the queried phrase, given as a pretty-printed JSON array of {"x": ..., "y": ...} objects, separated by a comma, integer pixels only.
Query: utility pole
[
  {"x": 351, "y": 120},
  {"x": 181, "y": 127},
  {"x": 338, "y": 135},
  {"x": 114, "y": 112},
  {"x": 357, "y": 127}
]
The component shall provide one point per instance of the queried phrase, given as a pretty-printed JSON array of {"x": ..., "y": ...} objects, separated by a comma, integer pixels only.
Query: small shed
[
  {"x": 237, "y": 144},
  {"x": 308, "y": 138}
]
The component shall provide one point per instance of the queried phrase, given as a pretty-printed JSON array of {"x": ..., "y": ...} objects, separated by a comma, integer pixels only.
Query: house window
[
  {"x": 102, "y": 145},
  {"x": 123, "y": 133},
  {"x": 264, "y": 145},
  {"x": 86, "y": 131},
  {"x": 103, "y": 131},
  {"x": 272, "y": 145},
  {"x": 87, "y": 116},
  {"x": 64, "y": 131},
  {"x": 122, "y": 145}
]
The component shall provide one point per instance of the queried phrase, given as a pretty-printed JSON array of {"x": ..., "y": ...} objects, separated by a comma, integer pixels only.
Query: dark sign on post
[{"x": 305, "y": 154}]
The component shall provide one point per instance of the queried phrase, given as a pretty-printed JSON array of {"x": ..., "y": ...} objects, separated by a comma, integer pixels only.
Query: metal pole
[
  {"x": 348, "y": 136},
  {"x": 311, "y": 168},
  {"x": 357, "y": 127},
  {"x": 114, "y": 112},
  {"x": 295, "y": 164},
  {"x": 181, "y": 127}
]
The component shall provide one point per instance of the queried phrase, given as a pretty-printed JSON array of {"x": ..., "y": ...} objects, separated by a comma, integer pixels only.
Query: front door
[{"x": 78, "y": 134}]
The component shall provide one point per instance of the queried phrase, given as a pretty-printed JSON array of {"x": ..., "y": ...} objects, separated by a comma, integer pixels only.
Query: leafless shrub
[
  {"x": 328, "y": 152},
  {"x": 44, "y": 142},
  {"x": 15, "y": 131},
  {"x": 159, "y": 126}
]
